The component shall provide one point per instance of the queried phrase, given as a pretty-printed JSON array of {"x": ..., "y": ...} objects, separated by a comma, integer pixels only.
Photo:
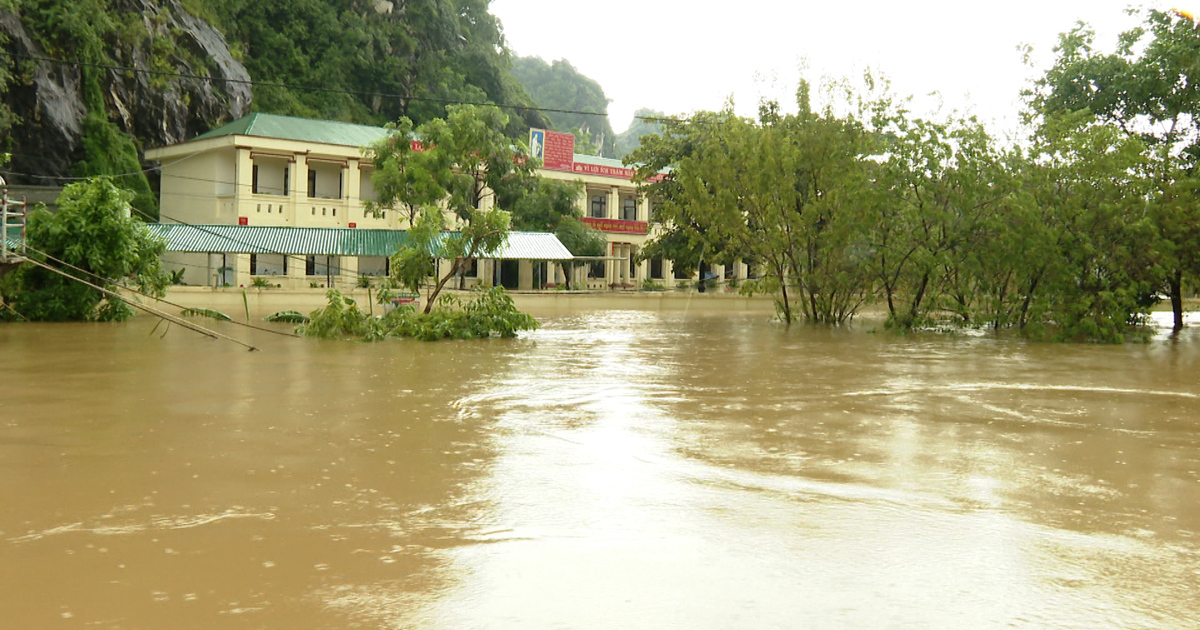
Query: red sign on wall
[
  {"x": 609, "y": 171},
  {"x": 617, "y": 226},
  {"x": 353, "y": 224},
  {"x": 243, "y": 220},
  {"x": 555, "y": 150}
]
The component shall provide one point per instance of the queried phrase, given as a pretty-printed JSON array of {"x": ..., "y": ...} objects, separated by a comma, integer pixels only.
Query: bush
[{"x": 489, "y": 312}]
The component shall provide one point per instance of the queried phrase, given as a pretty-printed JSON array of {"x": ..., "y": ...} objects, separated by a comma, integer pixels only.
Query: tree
[
  {"x": 785, "y": 191},
  {"x": 935, "y": 184},
  {"x": 1147, "y": 89},
  {"x": 458, "y": 161},
  {"x": 485, "y": 233},
  {"x": 92, "y": 237}
]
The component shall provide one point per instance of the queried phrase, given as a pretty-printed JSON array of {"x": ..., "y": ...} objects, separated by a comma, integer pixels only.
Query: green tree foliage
[
  {"x": 784, "y": 191},
  {"x": 7, "y": 117},
  {"x": 1147, "y": 88},
  {"x": 559, "y": 85},
  {"x": 468, "y": 158},
  {"x": 935, "y": 185},
  {"x": 423, "y": 54},
  {"x": 487, "y": 313},
  {"x": 860, "y": 200},
  {"x": 645, "y": 122},
  {"x": 93, "y": 232}
]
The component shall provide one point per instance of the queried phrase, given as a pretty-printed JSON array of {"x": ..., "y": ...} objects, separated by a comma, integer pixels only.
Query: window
[
  {"x": 312, "y": 183},
  {"x": 287, "y": 174},
  {"x": 254, "y": 180},
  {"x": 629, "y": 209},
  {"x": 599, "y": 208},
  {"x": 596, "y": 269}
]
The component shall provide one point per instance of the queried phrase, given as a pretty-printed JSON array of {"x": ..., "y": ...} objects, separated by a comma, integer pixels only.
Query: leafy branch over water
[{"x": 488, "y": 312}]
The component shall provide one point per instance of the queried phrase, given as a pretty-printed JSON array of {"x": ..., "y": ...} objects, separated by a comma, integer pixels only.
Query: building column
[
  {"x": 348, "y": 265},
  {"x": 740, "y": 271},
  {"x": 643, "y": 209},
  {"x": 614, "y": 202},
  {"x": 243, "y": 180},
  {"x": 525, "y": 275},
  {"x": 241, "y": 270},
  {"x": 298, "y": 180},
  {"x": 297, "y": 264},
  {"x": 351, "y": 190},
  {"x": 668, "y": 273}
]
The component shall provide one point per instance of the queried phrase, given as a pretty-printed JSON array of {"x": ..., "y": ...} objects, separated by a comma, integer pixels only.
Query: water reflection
[{"x": 613, "y": 469}]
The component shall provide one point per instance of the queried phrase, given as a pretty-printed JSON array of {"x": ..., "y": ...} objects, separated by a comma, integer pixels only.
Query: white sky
[{"x": 679, "y": 57}]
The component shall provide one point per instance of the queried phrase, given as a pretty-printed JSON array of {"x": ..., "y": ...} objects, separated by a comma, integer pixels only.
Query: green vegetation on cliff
[{"x": 374, "y": 60}]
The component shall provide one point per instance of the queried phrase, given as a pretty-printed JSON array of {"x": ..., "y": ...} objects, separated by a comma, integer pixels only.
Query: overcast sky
[{"x": 679, "y": 57}]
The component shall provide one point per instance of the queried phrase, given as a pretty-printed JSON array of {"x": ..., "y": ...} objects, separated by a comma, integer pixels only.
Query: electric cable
[{"x": 145, "y": 295}]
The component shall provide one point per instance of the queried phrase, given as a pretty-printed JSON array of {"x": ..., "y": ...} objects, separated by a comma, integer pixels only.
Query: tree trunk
[
  {"x": 441, "y": 283},
  {"x": 1175, "y": 284},
  {"x": 787, "y": 306},
  {"x": 916, "y": 303},
  {"x": 567, "y": 273}
]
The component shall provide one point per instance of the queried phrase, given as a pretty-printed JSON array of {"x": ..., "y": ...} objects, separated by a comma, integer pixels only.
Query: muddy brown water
[{"x": 612, "y": 470}]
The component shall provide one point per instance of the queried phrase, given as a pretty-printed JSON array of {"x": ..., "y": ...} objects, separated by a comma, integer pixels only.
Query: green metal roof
[
  {"x": 279, "y": 240},
  {"x": 254, "y": 239},
  {"x": 300, "y": 129},
  {"x": 13, "y": 238}
]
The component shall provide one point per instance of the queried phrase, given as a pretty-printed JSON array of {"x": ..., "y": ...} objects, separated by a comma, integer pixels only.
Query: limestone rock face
[{"x": 186, "y": 82}]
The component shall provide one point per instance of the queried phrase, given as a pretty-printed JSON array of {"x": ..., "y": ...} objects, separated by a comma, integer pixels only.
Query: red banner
[
  {"x": 610, "y": 171},
  {"x": 617, "y": 226}
]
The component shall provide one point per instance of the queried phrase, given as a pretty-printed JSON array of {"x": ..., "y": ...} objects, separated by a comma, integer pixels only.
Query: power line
[
  {"x": 153, "y": 311},
  {"x": 137, "y": 292}
]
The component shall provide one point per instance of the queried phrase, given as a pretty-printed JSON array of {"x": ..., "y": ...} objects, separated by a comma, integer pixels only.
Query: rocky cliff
[{"x": 167, "y": 76}]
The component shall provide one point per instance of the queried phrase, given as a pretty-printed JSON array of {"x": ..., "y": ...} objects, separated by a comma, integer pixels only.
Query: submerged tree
[
  {"x": 92, "y": 238},
  {"x": 1147, "y": 89},
  {"x": 458, "y": 162},
  {"x": 785, "y": 191}
]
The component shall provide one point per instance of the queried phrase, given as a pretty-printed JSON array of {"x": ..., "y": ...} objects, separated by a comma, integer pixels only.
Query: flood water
[{"x": 612, "y": 470}]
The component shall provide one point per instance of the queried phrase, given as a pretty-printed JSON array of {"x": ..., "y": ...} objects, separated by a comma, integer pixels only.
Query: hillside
[{"x": 85, "y": 85}]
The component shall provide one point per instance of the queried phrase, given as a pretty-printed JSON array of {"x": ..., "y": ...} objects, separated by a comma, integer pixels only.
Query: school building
[{"x": 283, "y": 200}]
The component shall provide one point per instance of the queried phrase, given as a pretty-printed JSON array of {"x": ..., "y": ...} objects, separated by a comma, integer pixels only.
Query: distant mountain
[
  {"x": 86, "y": 84},
  {"x": 643, "y": 124}
]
